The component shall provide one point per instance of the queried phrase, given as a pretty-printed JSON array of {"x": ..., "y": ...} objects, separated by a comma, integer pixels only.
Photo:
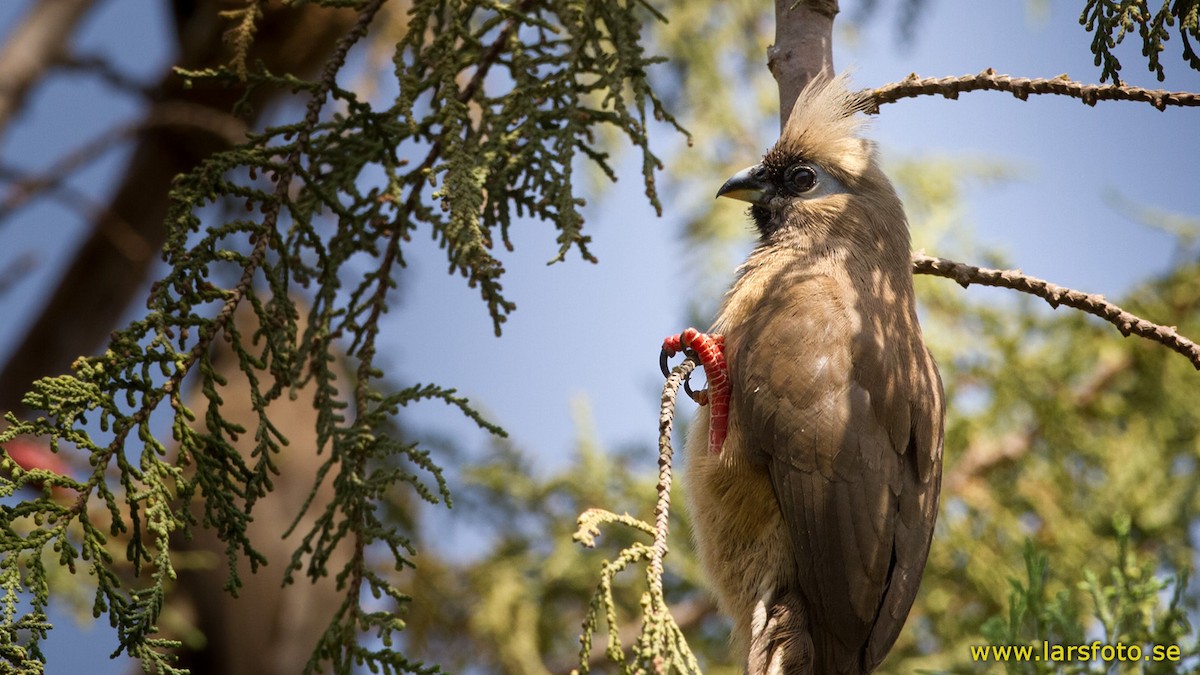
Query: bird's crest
[{"x": 824, "y": 126}]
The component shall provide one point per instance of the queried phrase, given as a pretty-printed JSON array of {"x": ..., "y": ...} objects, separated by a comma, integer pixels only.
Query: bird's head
[{"x": 820, "y": 184}]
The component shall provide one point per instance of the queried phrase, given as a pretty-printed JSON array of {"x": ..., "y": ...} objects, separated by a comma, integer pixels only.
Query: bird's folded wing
[{"x": 848, "y": 481}]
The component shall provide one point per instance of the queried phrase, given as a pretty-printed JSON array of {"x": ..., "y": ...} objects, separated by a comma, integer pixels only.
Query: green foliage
[
  {"x": 1111, "y": 20},
  {"x": 496, "y": 103},
  {"x": 241, "y": 35},
  {"x": 661, "y": 646},
  {"x": 517, "y": 607},
  {"x": 1034, "y": 618},
  {"x": 1058, "y": 427},
  {"x": 1125, "y": 598}
]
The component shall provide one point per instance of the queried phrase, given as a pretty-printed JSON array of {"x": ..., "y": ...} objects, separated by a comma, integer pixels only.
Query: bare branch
[
  {"x": 26, "y": 186},
  {"x": 117, "y": 232},
  {"x": 33, "y": 47},
  {"x": 1021, "y": 87},
  {"x": 103, "y": 69},
  {"x": 16, "y": 271},
  {"x": 803, "y": 47},
  {"x": 662, "y": 509},
  {"x": 1057, "y": 295},
  {"x": 178, "y": 115}
]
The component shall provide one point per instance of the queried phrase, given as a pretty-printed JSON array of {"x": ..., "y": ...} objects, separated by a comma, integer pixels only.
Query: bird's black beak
[{"x": 749, "y": 185}]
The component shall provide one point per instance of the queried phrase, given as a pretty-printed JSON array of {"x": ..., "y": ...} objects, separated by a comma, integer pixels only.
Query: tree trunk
[
  {"x": 183, "y": 127},
  {"x": 803, "y": 47}
]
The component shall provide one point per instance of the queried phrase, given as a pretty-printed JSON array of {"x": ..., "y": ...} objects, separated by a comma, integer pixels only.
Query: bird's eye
[{"x": 800, "y": 178}]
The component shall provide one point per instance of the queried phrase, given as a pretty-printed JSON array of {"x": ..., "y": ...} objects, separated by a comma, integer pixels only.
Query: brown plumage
[{"x": 814, "y": 519}]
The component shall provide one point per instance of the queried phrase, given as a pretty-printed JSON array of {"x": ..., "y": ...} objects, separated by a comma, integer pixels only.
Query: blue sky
[
  {"x": 591, "y": 333},
  {"x": 1050, "y": 220}
]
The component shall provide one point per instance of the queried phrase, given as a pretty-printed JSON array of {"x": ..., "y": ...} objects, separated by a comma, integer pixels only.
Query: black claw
[
  {"x": 687, "y": 388},
  {"x": 687, "y": 381}
]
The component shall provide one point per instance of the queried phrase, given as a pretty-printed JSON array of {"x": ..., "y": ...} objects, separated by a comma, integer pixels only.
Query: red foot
[{"x": 710, "y": 351}]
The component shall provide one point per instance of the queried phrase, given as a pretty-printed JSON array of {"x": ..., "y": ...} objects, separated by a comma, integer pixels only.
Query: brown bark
[
  {"x": 269, "y": 628},
  {"x": 803, "y": 47},
  {"x": 116, "y": 256},
  {"x": 31, "y": 49}
]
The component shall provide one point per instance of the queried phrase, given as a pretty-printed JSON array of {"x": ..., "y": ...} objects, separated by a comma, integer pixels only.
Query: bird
[{"x": 814, "y": 470}]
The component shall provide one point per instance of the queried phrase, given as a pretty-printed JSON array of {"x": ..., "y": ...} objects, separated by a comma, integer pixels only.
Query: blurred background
[{"x": 1059, "y": 426}]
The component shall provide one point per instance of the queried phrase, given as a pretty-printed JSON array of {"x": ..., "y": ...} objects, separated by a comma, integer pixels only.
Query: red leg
[{"x": 710, "y": 351}]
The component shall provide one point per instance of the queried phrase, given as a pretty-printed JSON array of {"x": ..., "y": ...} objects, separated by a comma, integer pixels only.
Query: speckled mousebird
[{"x": 813, "y": 472}]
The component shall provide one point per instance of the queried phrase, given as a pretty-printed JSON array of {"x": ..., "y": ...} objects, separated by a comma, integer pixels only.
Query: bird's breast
[{"x": 736, "y": 523}]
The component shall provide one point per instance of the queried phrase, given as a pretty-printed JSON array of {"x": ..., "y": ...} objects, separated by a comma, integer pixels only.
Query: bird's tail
[{"x": 781, "y": 638}]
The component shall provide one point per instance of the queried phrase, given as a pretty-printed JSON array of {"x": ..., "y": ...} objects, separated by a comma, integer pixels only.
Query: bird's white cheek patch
[
  {"x": 856, "y": 158},
  {"x": 856, "y": 164}
]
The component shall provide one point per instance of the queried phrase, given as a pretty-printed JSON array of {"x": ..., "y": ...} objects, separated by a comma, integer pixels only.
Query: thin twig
[
  {"x": 1022, "y": 87},
  {"x": 107, "y": 72},
  {"x": 171, "y": 114},
  {"x": 662, "y": 509},
  {"x": 32, "y": 47},
  {"x": 1057, "y": 295},
  {"x": 27, "y": 185},
  {"x": 688, "y": 614}
]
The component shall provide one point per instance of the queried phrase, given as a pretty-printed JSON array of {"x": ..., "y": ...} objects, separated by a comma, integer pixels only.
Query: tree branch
[
  {"x": 101, "y": 279},
  {"x": 688, "y": 614},
  {"x": 104, "y": 70},
  {"x": 1021, "y": 87},
  {"x": 32, "y": 48},
  {"x": 1057, "y": 295},
  {"x": 662, "y": 508},
  {"x": 177, "y": 115},
  {"x": 803, "y": 47}
]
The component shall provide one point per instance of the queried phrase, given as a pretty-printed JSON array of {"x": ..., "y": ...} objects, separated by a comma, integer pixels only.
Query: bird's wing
[
  {"x": 917, "y": 504},
  {"x": 852, "y": 474}
]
